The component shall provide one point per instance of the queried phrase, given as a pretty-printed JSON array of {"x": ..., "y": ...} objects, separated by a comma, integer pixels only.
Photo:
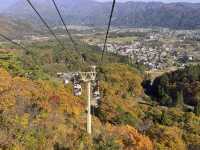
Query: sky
[
  {"x": 6, "y": 3},
  {"x": 166, "y": 1}
]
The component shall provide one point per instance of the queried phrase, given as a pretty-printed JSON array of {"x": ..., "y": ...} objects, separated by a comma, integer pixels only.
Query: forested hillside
[
  {"x": 38, "y": 112},
  {"x": 45, "y": 115},
  {"x": 15, "y": 28},
  {"x": 178, "y": 88}
]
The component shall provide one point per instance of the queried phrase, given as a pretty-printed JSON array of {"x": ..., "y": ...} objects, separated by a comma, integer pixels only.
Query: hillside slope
[
  {"x": 178, "y": 87},
  {"x": 14, "y": 28},
  {"x": 38, "y": 112},
  {"x": 45, "y": 115}
]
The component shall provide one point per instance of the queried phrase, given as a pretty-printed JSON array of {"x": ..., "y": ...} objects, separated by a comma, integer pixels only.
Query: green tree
[
  {"x": 197, "y": 109},
  {"x": 165, "y": 119},
  {"x": 103, "y": 142},
  {"x": 179, "y": 99},
  {"x": 166, "y": 100}
]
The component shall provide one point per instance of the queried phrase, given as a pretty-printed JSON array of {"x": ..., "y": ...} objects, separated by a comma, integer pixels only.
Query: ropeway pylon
[{"x": 88, "y": 78}]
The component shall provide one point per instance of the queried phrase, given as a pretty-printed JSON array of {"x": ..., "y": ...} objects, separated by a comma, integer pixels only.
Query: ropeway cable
[
  {"x": 108, "y": 29},
  {"x": 13, "y": 42},
  {"x": 45, "y": 23}
]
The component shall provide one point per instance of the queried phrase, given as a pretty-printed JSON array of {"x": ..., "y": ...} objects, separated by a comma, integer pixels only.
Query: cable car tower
[
  {"x": 88, "y": 78},
  {"x": 93, "y": 89}
]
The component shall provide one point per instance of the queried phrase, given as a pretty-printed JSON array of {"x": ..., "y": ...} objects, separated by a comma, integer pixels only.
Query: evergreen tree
[
  {"x": 197, "y": 109},
  {"x": 165, "y": 119},
  {"x": 179, "y": 99}
]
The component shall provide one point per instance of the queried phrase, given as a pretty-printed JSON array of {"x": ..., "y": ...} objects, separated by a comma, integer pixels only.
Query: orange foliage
[
  {"x": 41, "y": 92},
  {"x": 56, "y": 101},
  {"x": 130, "y": 138}
]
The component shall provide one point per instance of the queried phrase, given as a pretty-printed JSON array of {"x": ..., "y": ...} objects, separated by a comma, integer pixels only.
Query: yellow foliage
[
  {"x": 168, "y": 138},
  {"x": 5, "y": 80},
  {"x": 17, "y": 147},
  {"x": 121, "y": 79},
  {"x": 120, "y": 89}
]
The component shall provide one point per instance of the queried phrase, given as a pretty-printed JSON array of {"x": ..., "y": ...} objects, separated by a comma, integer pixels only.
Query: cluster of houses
[{"x": 152, "y": 57}]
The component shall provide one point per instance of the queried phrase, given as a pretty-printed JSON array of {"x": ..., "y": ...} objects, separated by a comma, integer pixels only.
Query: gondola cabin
[
  {"x": 77, "y": 85},
  {"x": 96, "y": 94},
  {"x": 77, "y": 89}
]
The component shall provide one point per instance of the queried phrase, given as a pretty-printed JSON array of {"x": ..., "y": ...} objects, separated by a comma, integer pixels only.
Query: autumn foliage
[
  {"x": 45, "y": 115},
  {"x": 130, "y": 139}
]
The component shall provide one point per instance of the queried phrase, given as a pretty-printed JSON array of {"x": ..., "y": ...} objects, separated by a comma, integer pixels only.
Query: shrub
[
  {"x": 106, "y": 143},
  {"x": 125, "y": 118}
]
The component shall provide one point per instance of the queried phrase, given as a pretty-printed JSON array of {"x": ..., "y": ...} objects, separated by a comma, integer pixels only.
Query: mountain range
[{"x": 93, "y": 13}]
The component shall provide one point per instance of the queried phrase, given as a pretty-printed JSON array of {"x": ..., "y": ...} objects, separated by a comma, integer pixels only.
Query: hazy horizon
[{"x": 6, "y": 3}]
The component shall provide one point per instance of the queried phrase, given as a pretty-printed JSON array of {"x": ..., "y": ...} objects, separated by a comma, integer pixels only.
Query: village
[
  {"x": 161, "y": 50},
  {"x": 157, "y": 48}
]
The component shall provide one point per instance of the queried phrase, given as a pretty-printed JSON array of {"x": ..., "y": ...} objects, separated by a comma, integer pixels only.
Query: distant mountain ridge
[
  {"x": 131, "y": 14},
  {"x": 14, "y": 27}
]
